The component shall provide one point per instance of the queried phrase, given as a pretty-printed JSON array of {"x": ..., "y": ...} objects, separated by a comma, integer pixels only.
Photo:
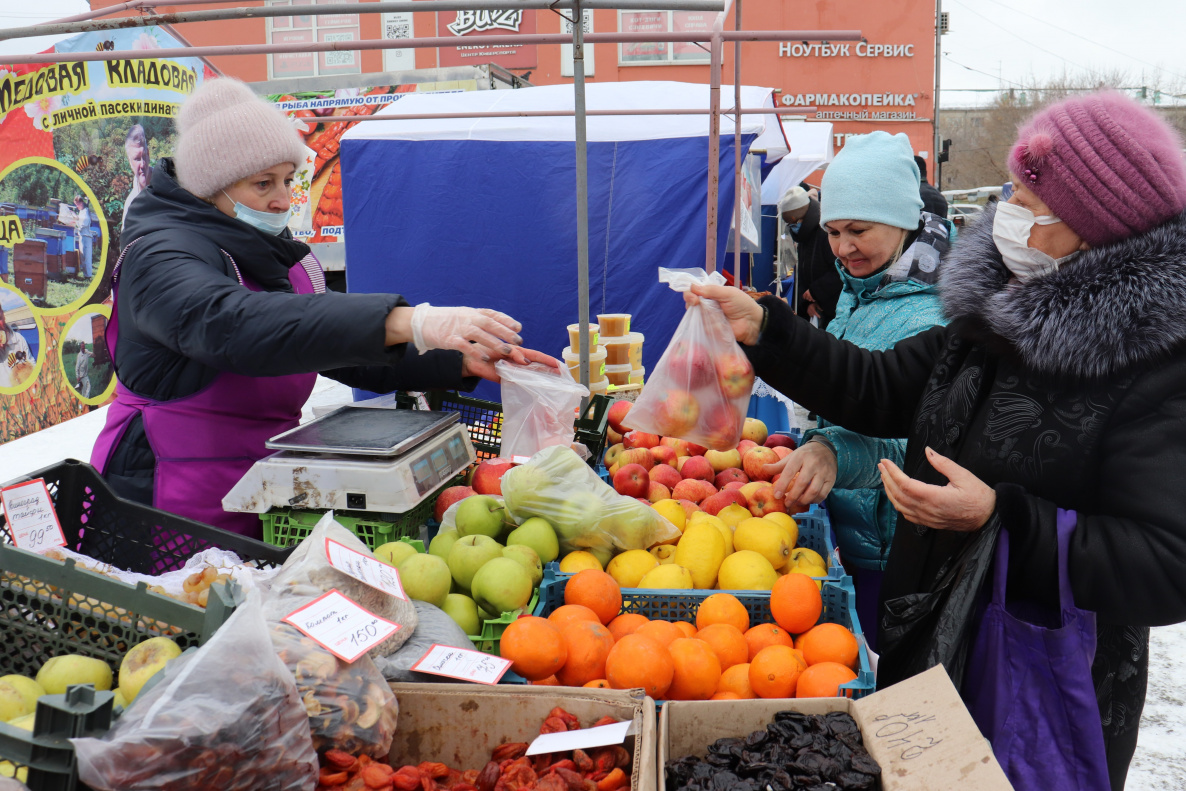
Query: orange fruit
[
  {"x": 697, "y": 670},
  {"x": 727, "y": 643},
  {"x": 662, "y": 632},
  {"x": 550, "y": 681},
  {"x": 596, "y": 590},
  {"x": 565, "y": 614},
  {"x": 626, "y": 623},
  {"x": 722, "y": 608},
  {"x": 640, "y": 661},
  {"x": 775, "y": 671},
  {"x": 735, "y": 680},
  {"x": 764, "y": 634},
  {"x": 686, "y": 628},
  {"x": 795, "y": 602},
  {"x": 534, "y": 646},
  {"x": 823, "y": 680},
  {"x": 726, "y": 696},
  {"x": 588, "y": 645},
  {"x": 829, "y": 642},
  {"x": 600, "y": 683}
]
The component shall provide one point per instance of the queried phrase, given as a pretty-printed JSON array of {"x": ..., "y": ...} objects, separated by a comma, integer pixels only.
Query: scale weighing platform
[{"x": 356, "y": 458}]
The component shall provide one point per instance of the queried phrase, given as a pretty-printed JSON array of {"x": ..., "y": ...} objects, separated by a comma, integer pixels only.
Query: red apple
[
  {"x": 446, "y": 498},
  {"x": 689, "y": 489},
  {"x": 612, "y": 437},
  {"x": 713, "y": 504},
  {"x": 754, "y": 430},
  {"x": 636, "y": 456},
  {"x": 696, "y": 450},
  {"x": 612, "y": 453},
  {"x": 639, "y": 439},
  {"x": 664, "y": 454},
  {"x": 678, "y": 445},
  {"x": 617, "y": 413},
  {"x": 731, "y": 475},
  {"x": 644, "y": 500},
  {"x": 733, "y": 485},
  {"x": 689, "y": 508},
  {"x": 677, "y": 413},
  {"x": 666, "y": 475},
  {"x": 746, "y": 445},
  {"x": 488, "y": 476},
  {"x": 657, "y": 492},
  {"x": 763, "y": 502},
  {"x": 689, "y": 365},
  {"x": 755, "y": 461},
  {"x": 723, "y": 426},
  {"x": 706, "y": 487},
  {"x": 781, "y": 441},
  {"x": 697, "y": 467},
  {"x": 632, "y": 480},
  {"x": 735, "y": 374},
  {"x": 782, "y": 451}
]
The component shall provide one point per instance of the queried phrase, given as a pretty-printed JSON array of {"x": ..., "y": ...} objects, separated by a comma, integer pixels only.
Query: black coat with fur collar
[{"x": 1068, "y": 392}]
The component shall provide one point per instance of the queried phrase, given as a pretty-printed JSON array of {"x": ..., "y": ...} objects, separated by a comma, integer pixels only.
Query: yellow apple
[
  {"x": 143, "y": 662},
  {"x": 67, "y": 670}
]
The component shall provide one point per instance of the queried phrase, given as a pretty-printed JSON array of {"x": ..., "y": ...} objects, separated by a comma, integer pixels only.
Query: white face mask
[{"x": 1011, "y": 231}]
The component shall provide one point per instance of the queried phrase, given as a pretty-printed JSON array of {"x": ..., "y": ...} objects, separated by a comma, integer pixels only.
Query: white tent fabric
[
  {"x": 811, "y": 147},
  {"x": 599, "y": 96}
]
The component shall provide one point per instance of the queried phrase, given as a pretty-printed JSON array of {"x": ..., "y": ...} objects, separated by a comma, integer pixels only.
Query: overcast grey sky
[{"x": 992, "y": 43}]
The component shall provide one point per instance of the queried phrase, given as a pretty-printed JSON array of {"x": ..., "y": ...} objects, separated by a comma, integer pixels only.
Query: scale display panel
[{"x": 364, "y": 431}]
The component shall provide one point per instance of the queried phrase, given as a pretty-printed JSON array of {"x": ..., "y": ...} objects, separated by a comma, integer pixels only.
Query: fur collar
[{"x": 1112, "y": 308}]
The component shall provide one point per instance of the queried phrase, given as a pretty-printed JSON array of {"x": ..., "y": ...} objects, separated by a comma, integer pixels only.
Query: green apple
[
  {"x": 469, "y": 554},
  {"x": 442, "y": 542},
  {"x": 527, "y": 557},
  {"x": 69, "y": 669},
  {"x": 18, "y": 696},
  {"x": 464, "y": 611},
  {"x": 480, "y": 515},
  {"x": 578, "y": 514},
  {"x": 394, "y": 552},
  {"x": 425, "y": 578},
  {"x": 501, "y": 585},
  {"x": 143, "y": 662},
  {"x": 539, "y": 535},
  {"x": 603, "y": 555}
]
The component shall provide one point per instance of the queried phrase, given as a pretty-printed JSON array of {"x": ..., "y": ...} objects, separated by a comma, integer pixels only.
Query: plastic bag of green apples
[{"x": 586, "y": 513}]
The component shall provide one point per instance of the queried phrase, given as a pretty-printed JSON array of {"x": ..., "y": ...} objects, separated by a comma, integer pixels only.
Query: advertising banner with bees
[{"x": 77, "y": 145}]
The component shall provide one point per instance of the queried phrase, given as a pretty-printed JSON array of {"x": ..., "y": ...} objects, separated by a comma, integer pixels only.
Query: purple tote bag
[{"x": 1029, "y": 685}]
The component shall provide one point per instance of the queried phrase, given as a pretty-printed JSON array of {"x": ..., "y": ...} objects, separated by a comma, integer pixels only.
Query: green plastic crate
[{"x": 492, "y": 628}]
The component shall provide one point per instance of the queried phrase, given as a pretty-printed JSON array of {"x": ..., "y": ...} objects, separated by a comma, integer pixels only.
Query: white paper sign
[
  {"x": 32, "y": 520},
  {"x": 346, "y": 630},
  {"x": 583, "y": 739},
  {"x": 460, "y": 663},
  {"x": 366, "y": 569}
]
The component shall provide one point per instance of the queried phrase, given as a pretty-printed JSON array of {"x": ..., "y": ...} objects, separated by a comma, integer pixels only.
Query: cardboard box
[
  {"x": 460, "y": 724},
  {"x": 918, "y": 730}
]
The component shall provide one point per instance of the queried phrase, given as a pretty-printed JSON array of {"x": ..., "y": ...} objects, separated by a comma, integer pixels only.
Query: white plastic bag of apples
[{"x": 701, "y": 387}]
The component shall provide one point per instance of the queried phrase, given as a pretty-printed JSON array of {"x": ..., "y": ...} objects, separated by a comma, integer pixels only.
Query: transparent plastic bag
[
  {"x": 435, "y": 628},
  {"x": 701, "y": 387},
  {"x": 224, "y": 717},
  {"x": 538, "y": 407},
  {"x": 585, "y": 512}
]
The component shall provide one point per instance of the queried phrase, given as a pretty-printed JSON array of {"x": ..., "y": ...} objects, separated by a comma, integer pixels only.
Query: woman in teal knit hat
[{"x": 888, "y": 252}]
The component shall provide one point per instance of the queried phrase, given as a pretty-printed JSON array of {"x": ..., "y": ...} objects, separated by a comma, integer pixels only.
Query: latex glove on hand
[
  {"x": 475, "y": 332},
  {"x": 471, "y": 366}
]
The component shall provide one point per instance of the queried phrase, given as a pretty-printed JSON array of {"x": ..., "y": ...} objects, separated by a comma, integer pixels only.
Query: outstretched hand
[
  {"x": 805, "y": 477},
  {"x": 964, "y": 504},
  {"x": 475, "y": 366}
]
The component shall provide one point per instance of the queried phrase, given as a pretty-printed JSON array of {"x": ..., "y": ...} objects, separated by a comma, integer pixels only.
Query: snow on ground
[{"x": 1160, "y": 762}]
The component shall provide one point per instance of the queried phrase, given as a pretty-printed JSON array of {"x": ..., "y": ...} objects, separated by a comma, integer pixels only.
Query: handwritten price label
[
  {"x": 32, "y": 520},
  {"x": 904, "y": 733},
  {"x": 346, "y": 630},
  {"x": 365, "y": 569},
  {"x": 460, "y": 663}
]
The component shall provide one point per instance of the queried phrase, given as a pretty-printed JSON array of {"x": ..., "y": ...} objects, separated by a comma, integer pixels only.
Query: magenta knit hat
[{"x": 1105, "y": 165}]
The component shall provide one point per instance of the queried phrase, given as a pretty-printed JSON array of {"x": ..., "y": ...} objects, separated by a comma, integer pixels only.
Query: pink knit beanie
[
  {"x": 225, "y": 133},
  {"x": 1105, "y": 165}
]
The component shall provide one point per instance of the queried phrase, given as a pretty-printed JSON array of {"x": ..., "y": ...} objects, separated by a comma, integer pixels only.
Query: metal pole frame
[{"x": 582, "y": 187}]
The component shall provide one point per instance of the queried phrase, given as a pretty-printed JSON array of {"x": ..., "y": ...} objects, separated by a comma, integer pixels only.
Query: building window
[
  {"x": 664, "y": 52},
  {"x": 307, "y": 30}
]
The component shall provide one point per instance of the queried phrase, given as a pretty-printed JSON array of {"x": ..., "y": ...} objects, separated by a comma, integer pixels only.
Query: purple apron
[{"x": 206, "y": 442}]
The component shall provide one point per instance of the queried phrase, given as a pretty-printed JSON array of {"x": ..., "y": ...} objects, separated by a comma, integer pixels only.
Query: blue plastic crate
[{"x": 840, "y": 606}]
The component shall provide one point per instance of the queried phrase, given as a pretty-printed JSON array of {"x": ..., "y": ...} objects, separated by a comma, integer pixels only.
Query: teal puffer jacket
[{"x": 875, "y": 313}]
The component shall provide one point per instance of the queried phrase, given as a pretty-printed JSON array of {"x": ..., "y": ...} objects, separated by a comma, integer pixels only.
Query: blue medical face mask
[
  {"x": 265, "y": 221},
  {"x": 795, "y": 228}
]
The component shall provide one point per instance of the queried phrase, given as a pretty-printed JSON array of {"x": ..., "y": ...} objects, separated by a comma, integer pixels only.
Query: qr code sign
[
  {"x": 339, "y": 58},
  {"x": 397, "y": 28}
]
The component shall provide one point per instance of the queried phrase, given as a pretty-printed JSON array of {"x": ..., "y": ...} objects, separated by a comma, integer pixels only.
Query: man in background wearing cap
[
  {"x": 932, "y": 199},
  {"x": 817, "y": 282}
]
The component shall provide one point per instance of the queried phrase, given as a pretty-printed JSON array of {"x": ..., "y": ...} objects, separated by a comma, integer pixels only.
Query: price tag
[
  {"x": 346, "y": 630},
  {"x": 31, "y": 517},
  {"x": 460, "y": 663},
  {"x": 365, "y": 569}
]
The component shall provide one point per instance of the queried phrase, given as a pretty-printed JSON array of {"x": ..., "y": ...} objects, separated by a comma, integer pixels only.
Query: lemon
[
  {"x": 746, "y": 570},
  {"x": 664, "y": 553},
  {"x": 786, "y": 523},
  {"x": 726, "y": 530},
  {"x": 667, "y": 576},
  {"x": 803, "y": 555},
  {"x": 630, "y": 567},
  {"x": 733, "y": 514},
  {"x": 579, "y": 561},
  {"x": 701, "y": 551},
  {"x": 811, "y": 571},
  {"x": 764, "y": 537},
  {"x": 672, "y": 511}
]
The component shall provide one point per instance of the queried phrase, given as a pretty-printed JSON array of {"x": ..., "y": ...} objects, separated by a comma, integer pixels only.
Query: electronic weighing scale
[{"x": 356, "y": 458}]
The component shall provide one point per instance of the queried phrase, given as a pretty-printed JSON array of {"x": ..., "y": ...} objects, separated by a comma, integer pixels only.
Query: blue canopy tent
[{"x": 482, "y": 211}]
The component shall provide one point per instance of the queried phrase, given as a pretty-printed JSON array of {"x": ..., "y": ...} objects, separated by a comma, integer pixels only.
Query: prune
[
  {"x": 799, "y": 741},
  {"x": 720, "y": 760},
  {"x": 756, "y": 768},
  {"x": 781, "y": 780},
  {"x": 839, "y": 722},
  {"x": 863, "y": 762},
  {"x": 702, "y": 772},
  {"x": 780, "y": 730},
  {"x": 724, "y": 746},
  {"x": 854, "y": 781},
  {"x": 852, "y": 740},
  {"x": 757, "y": 739},
  {"x": 806, "y": 780},
  {"x": 723, "y": 781}
]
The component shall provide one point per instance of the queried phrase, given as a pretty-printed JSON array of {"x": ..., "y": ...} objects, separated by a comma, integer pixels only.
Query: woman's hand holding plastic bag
[
  {"x": 742, "y": 312},
  {"x": 701, "y": 387}
]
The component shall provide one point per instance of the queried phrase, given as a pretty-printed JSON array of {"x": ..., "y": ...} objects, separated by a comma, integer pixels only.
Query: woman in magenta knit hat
[{"x": 1053, "y": 404}]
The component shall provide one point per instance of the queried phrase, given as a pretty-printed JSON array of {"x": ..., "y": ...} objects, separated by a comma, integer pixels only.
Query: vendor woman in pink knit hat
[
  {"x": 221, "y": 320},
  {"x": 1047, "y": 431}
]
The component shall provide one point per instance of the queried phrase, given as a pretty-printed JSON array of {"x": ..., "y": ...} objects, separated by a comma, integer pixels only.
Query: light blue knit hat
[{"x": 874, "y": 179}]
